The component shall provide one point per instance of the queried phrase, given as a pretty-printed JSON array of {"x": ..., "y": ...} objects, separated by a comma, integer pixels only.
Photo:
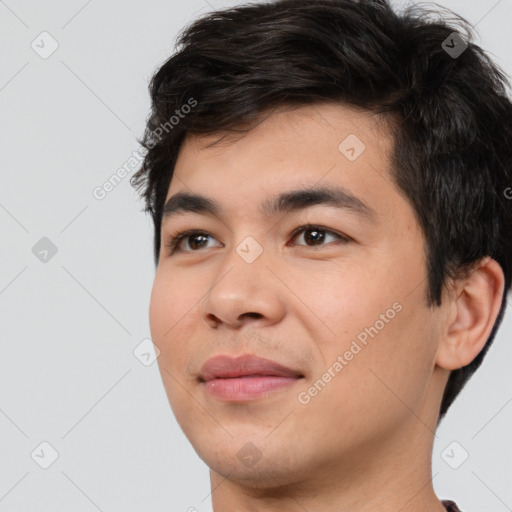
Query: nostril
[{"x": 252, "y": 315}]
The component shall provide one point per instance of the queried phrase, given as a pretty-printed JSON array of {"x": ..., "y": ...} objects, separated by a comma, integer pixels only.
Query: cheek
[
  {"x": 398, "y": 360},
  {"x": 342, "y": 298},
  {"x": 380, "y": 321},
  {"x": 160, "y": 309},
  {"x": 381, "y": 380},
  {"x": 171, "y": 298},
  {"x": 171, "y": 312},
  {"x": 171, "y": 318}
]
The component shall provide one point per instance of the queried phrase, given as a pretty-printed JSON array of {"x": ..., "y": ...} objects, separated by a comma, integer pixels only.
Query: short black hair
[{"x": 451, "y": 113}]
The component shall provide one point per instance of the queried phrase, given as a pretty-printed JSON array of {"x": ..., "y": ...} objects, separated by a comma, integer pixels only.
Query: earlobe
[{"x": 474, "y": 307}]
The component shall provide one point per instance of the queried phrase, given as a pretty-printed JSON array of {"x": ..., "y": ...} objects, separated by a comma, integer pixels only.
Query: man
[{"x": 333, "y": 246}]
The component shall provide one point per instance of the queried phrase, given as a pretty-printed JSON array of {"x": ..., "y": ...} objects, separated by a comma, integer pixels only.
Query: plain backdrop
[{"x": 76, "y": 275}]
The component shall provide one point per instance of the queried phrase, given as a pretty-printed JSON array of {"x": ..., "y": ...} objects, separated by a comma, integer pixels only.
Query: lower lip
[{"x": 246, "y": 388}]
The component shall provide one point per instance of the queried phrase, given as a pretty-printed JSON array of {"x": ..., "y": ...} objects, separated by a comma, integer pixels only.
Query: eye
[
  {"x": 175, "y": 242},
  {"x": 317, "y": 234},
  {"x": 198, "y": 239}
]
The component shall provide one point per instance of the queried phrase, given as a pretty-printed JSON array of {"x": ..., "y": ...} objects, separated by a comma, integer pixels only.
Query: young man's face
[{"x": 349, "y": 316}]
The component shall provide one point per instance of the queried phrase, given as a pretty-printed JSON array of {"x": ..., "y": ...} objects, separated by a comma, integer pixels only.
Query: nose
[{"x": 243, "y": 292}]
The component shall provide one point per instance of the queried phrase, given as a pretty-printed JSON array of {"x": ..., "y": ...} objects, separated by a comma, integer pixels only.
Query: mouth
[{"x": 245, "y": 378}]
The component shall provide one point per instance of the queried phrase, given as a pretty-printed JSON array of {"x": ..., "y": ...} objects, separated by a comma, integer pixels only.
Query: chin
[{"x": 265, "y": 464}]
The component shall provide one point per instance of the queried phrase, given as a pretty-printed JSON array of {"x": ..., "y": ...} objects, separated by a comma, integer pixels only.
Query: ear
[{"x": 473, "y": 307}]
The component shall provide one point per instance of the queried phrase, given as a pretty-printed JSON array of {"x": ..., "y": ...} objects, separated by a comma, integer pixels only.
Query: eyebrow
[{"x": 294, "y": 200}]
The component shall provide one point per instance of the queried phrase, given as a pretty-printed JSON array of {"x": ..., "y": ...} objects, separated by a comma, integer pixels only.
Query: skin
[{"x": 364, "y": 442}]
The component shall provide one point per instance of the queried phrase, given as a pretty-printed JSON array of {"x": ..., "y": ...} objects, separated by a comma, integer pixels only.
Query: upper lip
[{"x": 225, "y": 367}]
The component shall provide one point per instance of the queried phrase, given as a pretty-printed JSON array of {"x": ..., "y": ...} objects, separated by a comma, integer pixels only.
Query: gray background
[{"x": 70, "y": 325}]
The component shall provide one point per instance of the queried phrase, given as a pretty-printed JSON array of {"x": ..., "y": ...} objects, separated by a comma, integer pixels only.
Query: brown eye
[
  {"x": 316, "y": 235},
  {"x": 196, "y": 240}
]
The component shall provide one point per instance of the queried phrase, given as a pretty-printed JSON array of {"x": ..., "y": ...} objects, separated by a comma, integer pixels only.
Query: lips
[{"x": 226, "y": 367}]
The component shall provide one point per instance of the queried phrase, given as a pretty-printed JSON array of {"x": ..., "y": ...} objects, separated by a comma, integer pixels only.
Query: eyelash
[{"x": 173, "y": 243}]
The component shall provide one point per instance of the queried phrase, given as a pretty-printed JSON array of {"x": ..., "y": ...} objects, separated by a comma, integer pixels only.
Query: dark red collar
[{"x": 450, "y": 506}]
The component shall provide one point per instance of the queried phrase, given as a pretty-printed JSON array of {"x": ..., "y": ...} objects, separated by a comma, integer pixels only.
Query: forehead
[
  {"x": 319, "y": 122},
  {"x": 321, "y": 145}
]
